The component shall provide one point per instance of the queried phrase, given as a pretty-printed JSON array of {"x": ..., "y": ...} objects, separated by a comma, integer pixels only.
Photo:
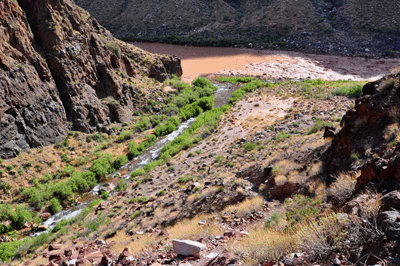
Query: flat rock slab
[{"x": 187, "y": 247}]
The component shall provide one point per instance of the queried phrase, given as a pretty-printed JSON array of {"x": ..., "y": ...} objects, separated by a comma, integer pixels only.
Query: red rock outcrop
[{"x": 60, "y": 70}]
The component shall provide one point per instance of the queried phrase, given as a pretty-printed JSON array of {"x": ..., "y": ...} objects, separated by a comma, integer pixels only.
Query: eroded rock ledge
[{"x": 60, "y": 70}]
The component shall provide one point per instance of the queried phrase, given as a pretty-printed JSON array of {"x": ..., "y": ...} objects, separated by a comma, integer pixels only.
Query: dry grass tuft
[
  {"x": 191, "y": 229},
  {"x": 246, "y": 207},
  {"x": 323, "y": 236},
  {"x": 264, "y": 245},
  {"x": 342, "y": 189}
]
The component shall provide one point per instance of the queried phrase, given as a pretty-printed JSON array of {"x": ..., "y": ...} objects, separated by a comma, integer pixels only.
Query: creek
[{"x": 222, "y": 94}]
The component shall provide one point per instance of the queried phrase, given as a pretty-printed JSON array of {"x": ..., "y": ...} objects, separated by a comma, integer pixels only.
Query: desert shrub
[
  {"x": 105, "y": 195},
  {"x": 177, "y": 83},
  {"x": 342, "y": 189},
  {"x": 138, "y": 172},
  {"x": 354, "y": 91},
  {"x": 249, "y": 146},
  {"x": 124, "y": 135},
  {"x": 322, "y": 237},
  {"x": 4, "y": 186},
  {"x": 120, "y": 161},
  {"x": 281, "y": 136},
  {"x": 318, "y": 125},
  {"x": 143, "y": 124},
  {"x": 61, "y": 224},
  {"x": 121, "y": 185},
  {"x": 94, "y": 225},
  {"x": 55, "y": 206},
  {"x": 102, "y": 166},
  {"x": 185, "y": 179},
  {"x": 300, "y": 208},
  {"x": 273, "y": 220},
  {"x": 98, "y": 137},
  {"x": 113, "y": 47}
]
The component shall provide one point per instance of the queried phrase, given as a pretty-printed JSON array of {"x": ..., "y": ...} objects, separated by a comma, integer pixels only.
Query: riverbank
[{"x": 271, "y": 64}]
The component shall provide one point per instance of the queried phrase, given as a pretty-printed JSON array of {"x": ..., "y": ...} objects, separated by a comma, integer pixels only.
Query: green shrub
[
  {"x": 138, "y": 172},
  {"x": 60, "y": 225},
  {"x": 235, "y": 80},
  {"x": 189, "y": 111},
  {"x": 121, "y": 185},
  {"x": 64, "y": 158},
  {"x": 281, "y": 136},
  {"x": 184, "y": 179},
  {"x": 105, "y": 195},
  {"x": 120, "y": 161},
  {"x": 94, "y": 225},
  {"x": 124, "y": 135},
  {"x": 55, "y": 206},
  {"x": 102, "y": 166},
  {"x": 176, "y": 83},
  {"x": 318, "y": 125},
  {"x": 8, "y": 250},
  {"x": 164, "y": 129},
  {"x": 354, "y": 91},
  {"x": 20, "y": 216},
  {"x": 137, "y": 149},
  {"x": 249, "y": 146},
  {"x": 143, "y": 124},
  {"x": 98, "y": 137},
  {"x": 202, "y": 82},
  {"x": 135, "y": 214}
]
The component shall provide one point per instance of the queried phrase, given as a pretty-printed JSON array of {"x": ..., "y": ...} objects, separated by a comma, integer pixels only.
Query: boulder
[
  {"x": 187, "y": 247},
  {"x": 391, "y": 200},
  {"x": 389, "y": 223}
]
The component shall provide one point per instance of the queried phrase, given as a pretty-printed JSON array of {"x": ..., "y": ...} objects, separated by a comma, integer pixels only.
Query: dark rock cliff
[
  {"x": 368, "y": 141},
  {"x": 330, "y": 26},
  {"x": 60, "y": 70}
]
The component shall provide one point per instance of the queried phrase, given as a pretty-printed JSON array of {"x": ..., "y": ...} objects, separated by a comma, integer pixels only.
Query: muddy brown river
[{"x": 270, "y": 64}]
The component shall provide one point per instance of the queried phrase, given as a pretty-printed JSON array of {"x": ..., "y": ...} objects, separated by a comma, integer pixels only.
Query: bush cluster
[{"x": 137, "y": 149}]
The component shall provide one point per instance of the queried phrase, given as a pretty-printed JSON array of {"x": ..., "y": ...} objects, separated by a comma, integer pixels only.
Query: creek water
[{"x": 221, "y": 96}]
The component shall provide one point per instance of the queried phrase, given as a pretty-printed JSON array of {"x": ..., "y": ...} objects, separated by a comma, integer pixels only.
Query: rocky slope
[
  {"x": 268, "y": 144},
  {"x": 61, "y": 70},
  {"x": 345, "y": 27}
]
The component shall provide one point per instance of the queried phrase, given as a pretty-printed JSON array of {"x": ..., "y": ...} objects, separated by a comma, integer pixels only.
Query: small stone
[
  {"x": 212, "y": 256},
  {"x": 42, "y": 227},
  {"x": 54, "y": 247},
  {"x": 244, "y": 233},
  {"x": 187, "y": 247},
  {"x": 45, "y": 215}
]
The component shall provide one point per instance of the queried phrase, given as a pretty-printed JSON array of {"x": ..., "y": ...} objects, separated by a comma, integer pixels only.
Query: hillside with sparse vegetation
[{"x": 145, "y": 169}]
